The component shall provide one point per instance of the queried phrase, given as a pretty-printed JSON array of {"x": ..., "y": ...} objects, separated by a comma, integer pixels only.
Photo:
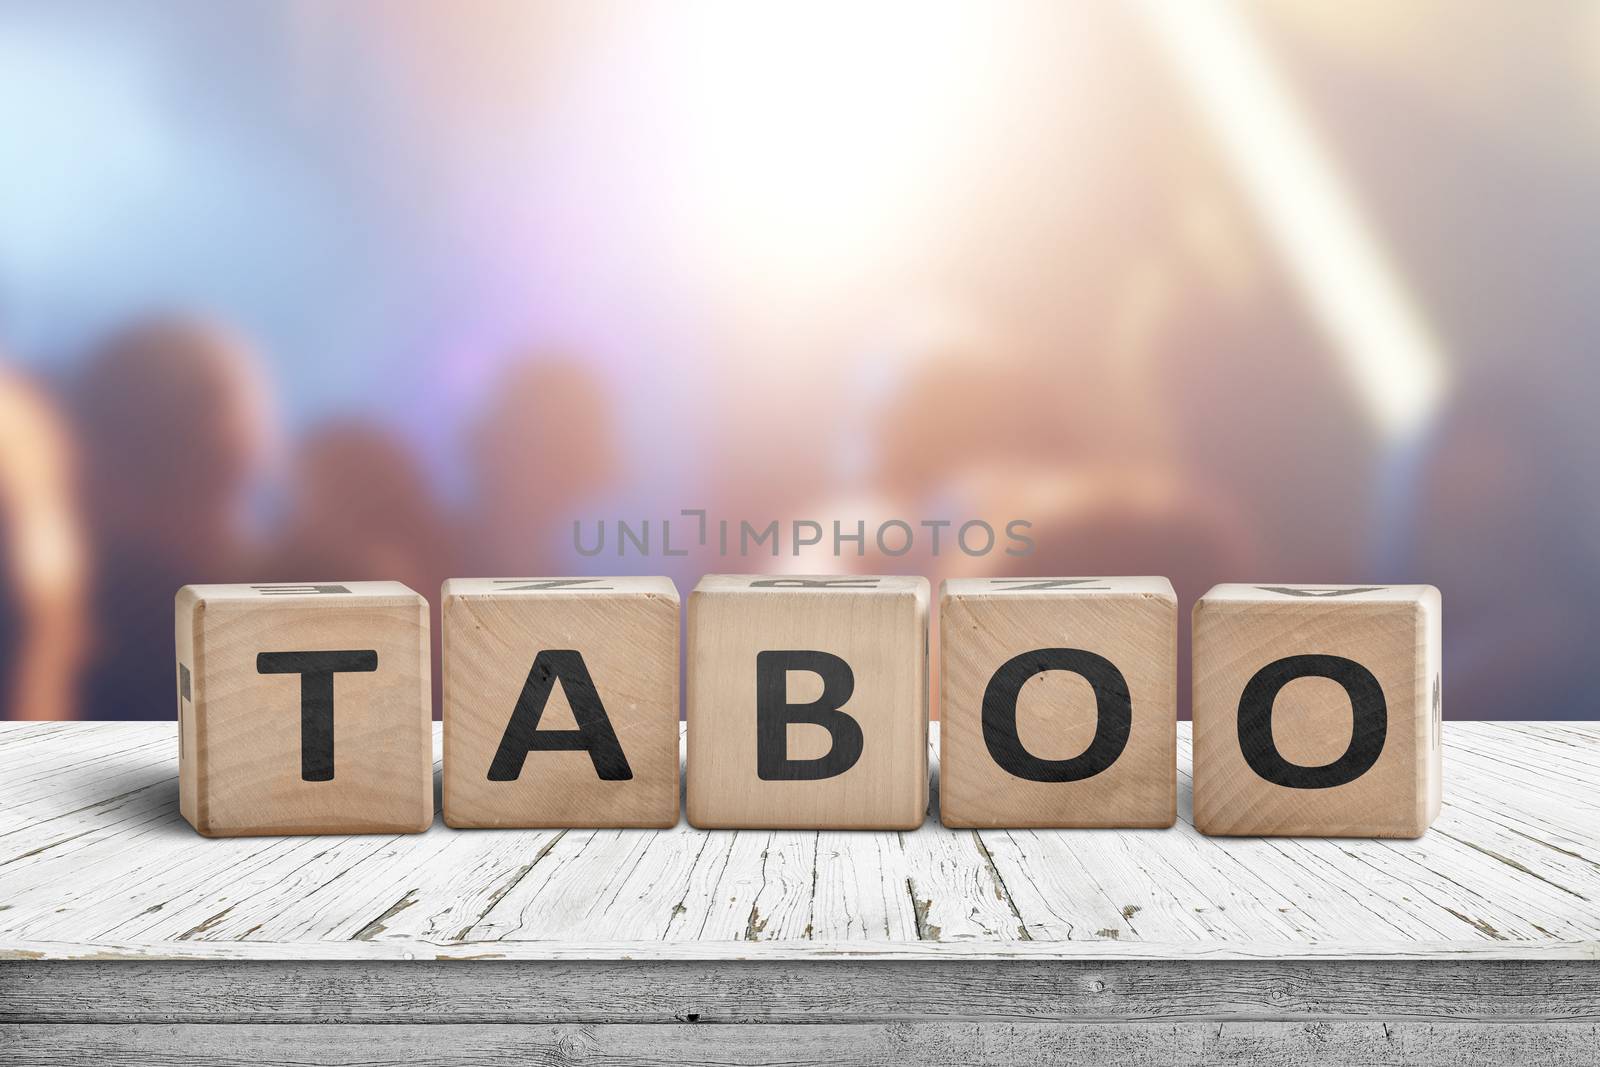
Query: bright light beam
[
  {"x": 806, "y": 140},
  {"x": 1332, "y": 254}
]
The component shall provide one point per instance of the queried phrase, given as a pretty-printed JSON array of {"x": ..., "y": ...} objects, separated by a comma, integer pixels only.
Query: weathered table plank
[
  {"x": 777, "y": 991},
  {"x": 958, "y": 1044},
  {"x": 127, "y": 938},
  {"x": 94, "y": 861}
]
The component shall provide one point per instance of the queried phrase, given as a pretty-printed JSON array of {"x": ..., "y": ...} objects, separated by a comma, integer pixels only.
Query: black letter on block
[
  {"x": 1369, "y": 725},
  {"x": 316, "y": 671},
  {"x": 1113, "y": 711},
  {"x": 774, "y": 713},
  {"x": 594, "y": 734}
]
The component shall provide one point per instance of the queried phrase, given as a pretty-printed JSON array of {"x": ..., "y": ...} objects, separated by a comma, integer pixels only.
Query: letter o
[
  {"x": 1113, "y": 714},
  {"x": 1369, "y": 721}
]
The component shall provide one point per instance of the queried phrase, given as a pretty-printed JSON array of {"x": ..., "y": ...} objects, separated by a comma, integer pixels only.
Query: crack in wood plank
[
  {"x": 376, "y": 926},
  {"x": 1513, "y": 864},
  {"x": 1000, "y": 886},
  {"x": 511, "y": 883}
]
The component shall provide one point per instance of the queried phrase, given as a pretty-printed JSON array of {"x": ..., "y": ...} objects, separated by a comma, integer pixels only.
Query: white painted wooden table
[{"x": 125, "y": 937}]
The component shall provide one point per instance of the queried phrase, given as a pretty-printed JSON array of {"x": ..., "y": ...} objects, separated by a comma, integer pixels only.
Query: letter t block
[
  {"x": 808, "y": 702},
  {"x": 304, "y": 709}
]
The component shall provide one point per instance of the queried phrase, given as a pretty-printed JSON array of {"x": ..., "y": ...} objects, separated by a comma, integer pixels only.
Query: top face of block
[
  {"x": 1269, "y": 593},
  {"x": 299, "y": 594},
  {"x": 816, "y": 584},
  {"x": 651, "y": 585},
  {"x": 1151, "y": 587}
]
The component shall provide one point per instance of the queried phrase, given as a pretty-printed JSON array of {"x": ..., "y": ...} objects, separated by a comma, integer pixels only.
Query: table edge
[{"x": 736, "y": 951}]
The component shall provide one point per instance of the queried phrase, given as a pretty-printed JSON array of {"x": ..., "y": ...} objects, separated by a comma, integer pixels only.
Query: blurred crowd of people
[
  {"x": 139, "y": 473},
  {"x": 136, "y": 474},
  {"x": 803, "y": 262}
]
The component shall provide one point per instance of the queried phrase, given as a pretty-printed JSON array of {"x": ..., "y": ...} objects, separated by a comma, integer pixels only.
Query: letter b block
[
  {"x": 560, "y": 702},
  {"x": 1058, "y": 702},
  {"x": 808, "y": 702},
  {"x": 304, "y": 709},
  {"x": 1317, "y": 710}
]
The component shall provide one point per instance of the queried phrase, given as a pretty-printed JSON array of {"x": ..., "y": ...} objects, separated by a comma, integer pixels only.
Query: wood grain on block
[
  {"x": 1058, "y": 702},
  {"x": 304, "y": 709},
  {"x": 808, "y": 703},
  {"x": 1317, "y": 710},
  {"x": 560, "y": 702}
]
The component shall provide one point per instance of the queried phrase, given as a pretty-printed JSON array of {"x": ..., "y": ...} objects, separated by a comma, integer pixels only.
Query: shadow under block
[
  {"x": 1317, "y": 710},
  {"x": 560, "y": 702},
  {"x": 304, "y": 709},
  {"x": 1058, "y": 702},
  {"x": 808, "y": 703}
]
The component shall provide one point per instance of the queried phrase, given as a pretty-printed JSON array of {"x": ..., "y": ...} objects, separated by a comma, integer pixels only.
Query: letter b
[{"x": 774, "y": 713}]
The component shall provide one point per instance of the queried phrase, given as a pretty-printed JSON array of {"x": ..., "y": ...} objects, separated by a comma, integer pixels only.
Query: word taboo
[{"x": 307, "y": 708}]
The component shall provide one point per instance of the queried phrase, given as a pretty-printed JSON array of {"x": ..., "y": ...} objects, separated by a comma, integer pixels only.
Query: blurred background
[{"x": 1300, "y": 291}]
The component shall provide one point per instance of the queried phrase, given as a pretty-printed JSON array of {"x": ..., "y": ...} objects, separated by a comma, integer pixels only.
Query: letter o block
[
  {"x": 560, "y": 702},
  {"x": 1058, "y": 702},
  {"x": 808, "y": 702},
  {"x": 1317, "y": 710},
  {"x": 304, "y": 709}
]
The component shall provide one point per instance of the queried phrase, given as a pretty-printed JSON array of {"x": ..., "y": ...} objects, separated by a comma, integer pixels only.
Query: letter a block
[
  {"x": 560, "y": 702},
  {"x": 1058, "y": 702},
  {"x": 808, "y": 703},
  {"x": 304, "y": 709},
  {"x": 1317, "y": 710}
]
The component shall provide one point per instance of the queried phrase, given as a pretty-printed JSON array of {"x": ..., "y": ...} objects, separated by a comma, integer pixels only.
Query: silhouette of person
[
  {"x": 1129, "y": 521},
  {"x": 362, "y": 510},
  {"x": 172, "y": 416},
  {"x": 43, "y": 561},
  {"x": 963, "y": 412},
  {"x": 546, "y": 441}
]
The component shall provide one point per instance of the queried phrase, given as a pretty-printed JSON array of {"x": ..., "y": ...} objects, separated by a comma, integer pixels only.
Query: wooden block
[
  {"x": 1317, "y": 710},
  {"x": 1058, "y": 702},
  {"x": 808, "y": 702},
  {"x": 304, "y": 709},
  {"x": 560, "y": 702}
]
